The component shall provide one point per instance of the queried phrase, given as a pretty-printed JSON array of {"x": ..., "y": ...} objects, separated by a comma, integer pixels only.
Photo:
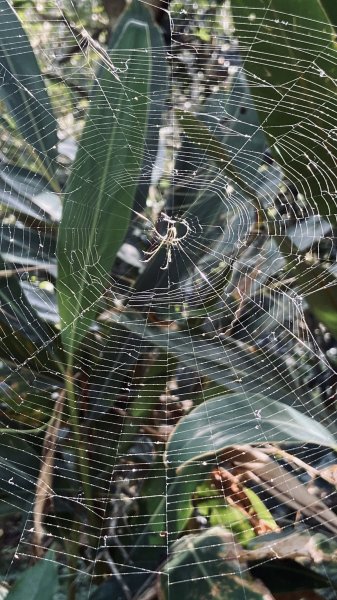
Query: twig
[{"x": 114, "y": 570}]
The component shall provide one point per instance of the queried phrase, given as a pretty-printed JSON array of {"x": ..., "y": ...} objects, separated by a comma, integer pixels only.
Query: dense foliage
[{"x": 142, "y": 308}]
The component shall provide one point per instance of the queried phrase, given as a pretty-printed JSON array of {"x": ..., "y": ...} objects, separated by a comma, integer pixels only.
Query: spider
[{"x": 170, "y": 240}]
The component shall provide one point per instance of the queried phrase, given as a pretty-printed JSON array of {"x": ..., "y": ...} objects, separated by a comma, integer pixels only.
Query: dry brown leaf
[
  {"x": 44, "y": 483},
  {"x": 329, "y": 473},
  {"x": 257, "y": 465},
  {"x": 229, "y": 484}
]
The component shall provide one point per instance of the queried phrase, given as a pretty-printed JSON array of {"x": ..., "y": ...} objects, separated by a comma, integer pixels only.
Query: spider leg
[
  {"x": 160, "y": 237},
  {"x": 152, "y": 253},
  {"x": 168, "y": 259},
  {"x": 142, "y": 217},
  {"x": 188, "y": 229}
]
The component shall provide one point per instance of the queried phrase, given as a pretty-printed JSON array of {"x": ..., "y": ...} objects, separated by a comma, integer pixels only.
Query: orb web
[{"x": 168, "y": 399}]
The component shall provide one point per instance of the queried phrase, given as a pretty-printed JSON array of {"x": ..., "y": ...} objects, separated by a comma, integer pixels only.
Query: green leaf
[
  {"x": 290, "y": 79},
  {"x": 156, "y": 105},
  {"x": 26, "y": 194},
  {"x": 229, "y": 517},
  {"x": 203, "y": 137},
  {"x": 101, "y": 190},
  {"x": 23, "y": 246},
  {"x": 330, "y": 8},
  {"x": 194, "y": 481},
  {"x": 201, "y": 567},
  {"x": 212, "y": 502},
  {"x": 26, "y": 401},
  {"x": 260, "y": 508},
  {"x": 23, "y": 90},
  {"x": 39, "y": 581},
  {"x": 26, "y": 341},
  {"x": 240, "y": 419}
]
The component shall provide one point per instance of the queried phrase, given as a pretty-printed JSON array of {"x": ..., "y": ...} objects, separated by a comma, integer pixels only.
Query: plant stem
[
  {"x": 72, "y": 549},
  {"x": 82, "y": 458},
  {"x": 9, "y": 430}
]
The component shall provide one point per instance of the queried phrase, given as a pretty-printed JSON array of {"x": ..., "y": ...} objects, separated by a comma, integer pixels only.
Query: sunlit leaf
[
  {"x": 238, "y": 419},
  {"x": 23, "y": 90},
  {"x": 100, "y": 193}
]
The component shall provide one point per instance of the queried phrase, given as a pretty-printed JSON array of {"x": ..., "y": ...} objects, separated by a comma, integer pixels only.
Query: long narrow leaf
[
  {"x": 23, "y": 90},
  {"x": 101, "y": 190}
]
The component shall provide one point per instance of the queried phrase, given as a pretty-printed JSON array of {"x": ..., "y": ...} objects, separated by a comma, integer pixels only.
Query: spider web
[{"x": 213, "y": 356}]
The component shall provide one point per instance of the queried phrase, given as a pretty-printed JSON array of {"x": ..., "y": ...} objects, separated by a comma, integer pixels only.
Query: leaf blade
[
  {"x": 109, "y": 167},
  {"x": 40, "y": 580},
  {"x": 23, "y": 86},
  {"x": 285, "y": 77},
  {"x": 235, "y": 419}
]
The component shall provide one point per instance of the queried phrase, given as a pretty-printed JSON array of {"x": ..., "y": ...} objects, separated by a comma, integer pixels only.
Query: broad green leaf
[
  {"x": 194, "y": 481},
  {"x": 38, "y": 582},
  {"x": 202, "y": 567},
  {"x": 260, "y": 508},
  {"x": 212, "y": 502},
  {"x": 289, "y": 58},
  {"x": 23, "y": 90},
  {"x": 101, "y": 190},
  {"x": 229, "y": 517},
  {"x": 240, "y": 419}
]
